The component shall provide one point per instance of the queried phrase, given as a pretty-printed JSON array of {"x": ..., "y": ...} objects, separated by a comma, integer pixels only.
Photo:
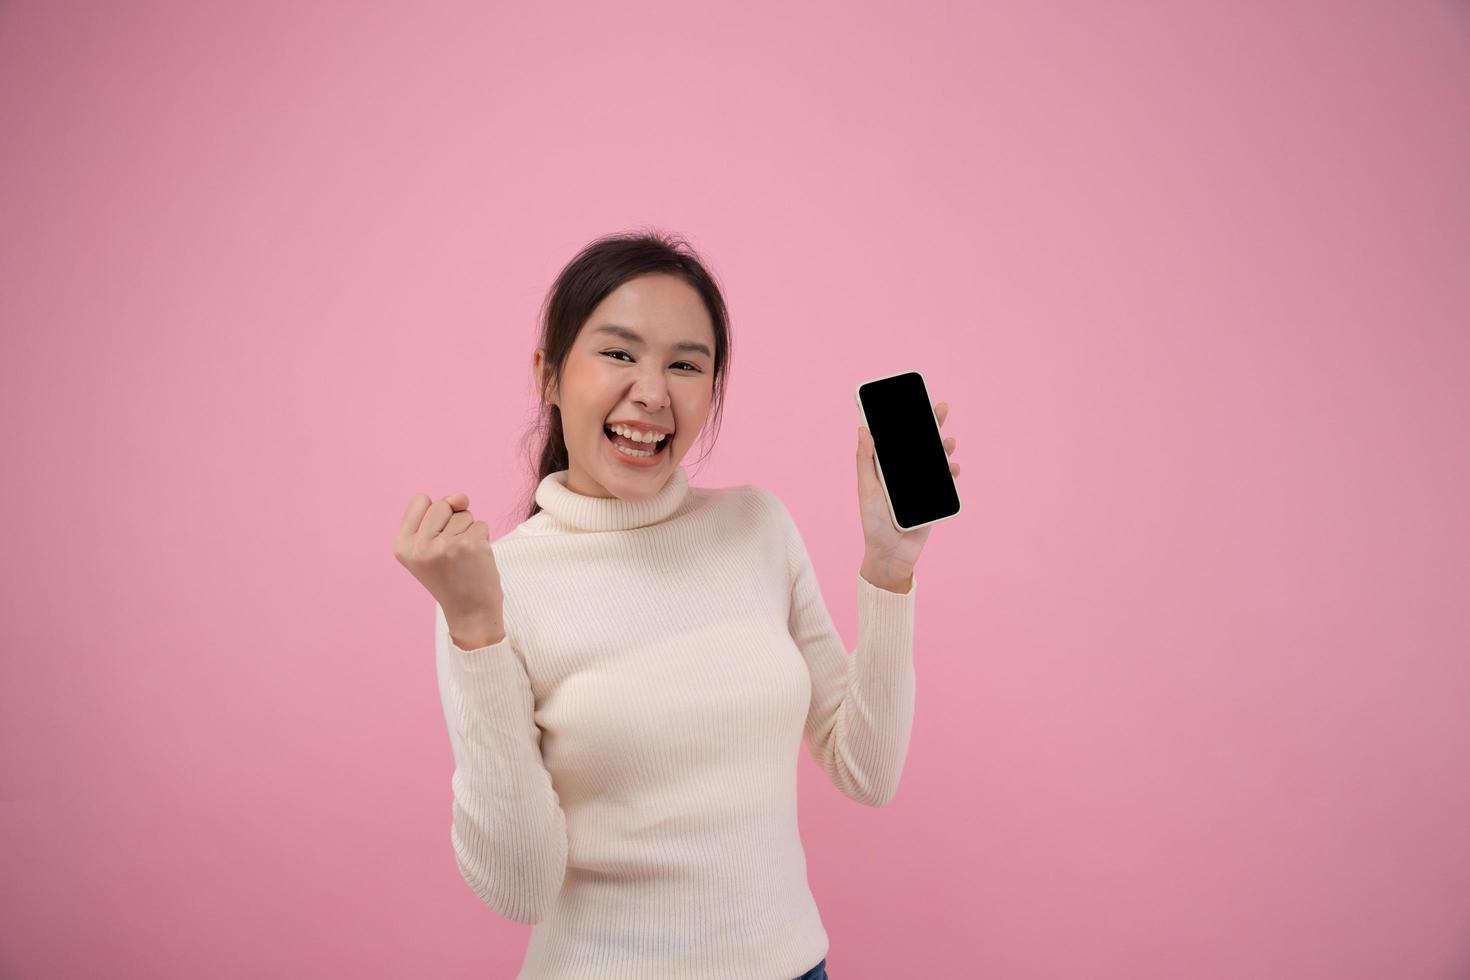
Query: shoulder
[
  {"x": 766, "y": 507},
  {"x": 746, "y": 496},
  {"x": 740, "y": 510},
  {"x": 538, "y": 523}
]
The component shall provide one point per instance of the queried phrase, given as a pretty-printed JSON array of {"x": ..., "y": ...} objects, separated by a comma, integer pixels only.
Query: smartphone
[{"x": 912, "y": 464}]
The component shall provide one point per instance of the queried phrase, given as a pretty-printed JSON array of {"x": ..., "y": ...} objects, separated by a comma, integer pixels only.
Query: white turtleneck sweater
[{"x": 625, "y": 758}]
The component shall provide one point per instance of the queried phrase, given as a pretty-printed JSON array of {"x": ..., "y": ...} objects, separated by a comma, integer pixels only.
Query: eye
[{"x": 609, "y": 353}]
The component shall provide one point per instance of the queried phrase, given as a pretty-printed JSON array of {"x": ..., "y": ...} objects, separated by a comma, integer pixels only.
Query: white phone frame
[{"x": 886, "y": 498}]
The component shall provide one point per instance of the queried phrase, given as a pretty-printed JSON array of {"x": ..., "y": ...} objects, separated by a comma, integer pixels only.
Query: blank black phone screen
[{"x": 909, "y": 448}]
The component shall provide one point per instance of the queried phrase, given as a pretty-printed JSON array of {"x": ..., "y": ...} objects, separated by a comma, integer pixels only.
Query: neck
[{"x": 586, "y": 512}]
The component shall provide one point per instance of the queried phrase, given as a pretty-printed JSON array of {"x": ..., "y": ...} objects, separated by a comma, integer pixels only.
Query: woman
[{"x": 629, "y": 673}]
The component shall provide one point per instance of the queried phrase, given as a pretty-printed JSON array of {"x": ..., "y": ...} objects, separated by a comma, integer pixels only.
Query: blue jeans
[{"x": 818, "y": 972}]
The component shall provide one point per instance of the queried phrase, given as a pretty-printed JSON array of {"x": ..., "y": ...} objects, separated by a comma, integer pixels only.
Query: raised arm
[{"x": 862, "y": 706}]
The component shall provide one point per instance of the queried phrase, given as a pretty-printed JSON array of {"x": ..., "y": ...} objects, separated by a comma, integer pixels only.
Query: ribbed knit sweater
[{"x": 625, "y": 758}]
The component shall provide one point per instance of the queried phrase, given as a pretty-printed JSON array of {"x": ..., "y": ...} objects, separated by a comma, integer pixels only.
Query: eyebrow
[{"x": 633, "y": 337}]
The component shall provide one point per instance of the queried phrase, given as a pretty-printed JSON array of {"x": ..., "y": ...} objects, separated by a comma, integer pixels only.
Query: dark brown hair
[{"x": 587, "y": 279}]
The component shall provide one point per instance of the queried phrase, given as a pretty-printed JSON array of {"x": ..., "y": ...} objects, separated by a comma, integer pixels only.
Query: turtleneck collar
[{"x": 584, "y": 513}]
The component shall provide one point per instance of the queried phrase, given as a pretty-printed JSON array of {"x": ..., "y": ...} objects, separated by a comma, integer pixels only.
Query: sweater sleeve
[
  {"x": 862, "y": 704},
  {"x": 508, "y": 828}
]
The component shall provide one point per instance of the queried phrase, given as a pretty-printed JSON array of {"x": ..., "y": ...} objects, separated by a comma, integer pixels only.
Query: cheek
[{"x": 691, "y": 415}]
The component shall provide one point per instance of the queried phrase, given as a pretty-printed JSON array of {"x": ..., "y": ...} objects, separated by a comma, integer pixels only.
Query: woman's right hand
[{"x": 446, "y": 549}]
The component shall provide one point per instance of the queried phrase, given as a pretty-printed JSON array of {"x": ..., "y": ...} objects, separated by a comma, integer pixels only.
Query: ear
[{"x": 539, "y": 377}]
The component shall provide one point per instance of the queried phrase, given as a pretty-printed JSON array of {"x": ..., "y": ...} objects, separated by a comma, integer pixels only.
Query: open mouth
[{"x": 628, "y": 447}]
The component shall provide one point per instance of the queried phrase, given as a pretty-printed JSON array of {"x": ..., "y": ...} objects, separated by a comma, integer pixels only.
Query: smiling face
[{"x": 655, "y": 367}]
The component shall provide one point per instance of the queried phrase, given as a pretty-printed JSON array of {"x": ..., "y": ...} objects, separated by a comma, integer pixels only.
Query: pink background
[{"x": 1193, "y": 664}]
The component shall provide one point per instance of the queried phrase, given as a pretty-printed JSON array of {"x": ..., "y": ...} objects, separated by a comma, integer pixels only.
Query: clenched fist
[{"x": 447, "y": 550}]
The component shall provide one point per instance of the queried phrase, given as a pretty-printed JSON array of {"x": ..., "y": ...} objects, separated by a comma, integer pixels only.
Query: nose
[{"x": 651, "y": 392}]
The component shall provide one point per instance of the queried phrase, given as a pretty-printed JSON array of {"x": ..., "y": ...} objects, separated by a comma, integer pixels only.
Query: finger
[
  {"x": 459, "y": 521},
  {"x": 439, "y": 514},
  {"x": 941, "y": 411},
  {"x": 954, "y": 468},
  {"x": 949, "y": 444},
  {"x": 867, "y": 467},
  {"x": 421, "y": 504},
  {"x": 413, "y": 514}
]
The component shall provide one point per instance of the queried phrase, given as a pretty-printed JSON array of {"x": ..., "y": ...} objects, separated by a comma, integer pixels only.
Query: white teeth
[
  {"x": 635, "y": 452},
  {"x": 633, "y": 434}
]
